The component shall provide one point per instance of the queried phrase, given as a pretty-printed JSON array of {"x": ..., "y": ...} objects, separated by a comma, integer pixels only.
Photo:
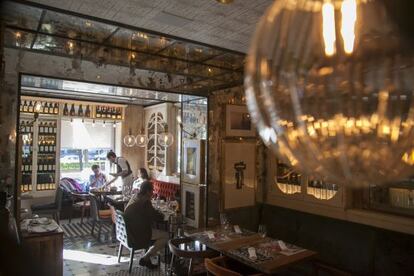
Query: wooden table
[
  {"x": 46, "y": 251},
  {"x": 235, "y": 246}
]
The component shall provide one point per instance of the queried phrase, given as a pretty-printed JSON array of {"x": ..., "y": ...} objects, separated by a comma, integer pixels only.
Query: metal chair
[
  {"x": 50, "y": 208},
  {"x": 99, "y": 217},
  {"x": 219, "y": 267},
  {"x": 178, "y": 249},
  {"x": 124, "y": 239}
]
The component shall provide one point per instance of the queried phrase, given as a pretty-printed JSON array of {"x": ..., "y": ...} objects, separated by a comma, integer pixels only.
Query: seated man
[
  {"x": 97, "y": 179},
  {"x": 139, "y": 216}
]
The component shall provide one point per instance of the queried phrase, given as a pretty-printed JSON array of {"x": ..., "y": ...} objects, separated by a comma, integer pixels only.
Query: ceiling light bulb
[
  {"x": 103, "y": 124},
  {"x": 114, "y": 125},
  {"x": 93, "y": 123}
]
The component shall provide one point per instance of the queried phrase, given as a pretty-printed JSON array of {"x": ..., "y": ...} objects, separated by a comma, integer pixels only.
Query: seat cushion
[
  {"x": 105, "y": 213},
  {"x": 43, "y": 207}
]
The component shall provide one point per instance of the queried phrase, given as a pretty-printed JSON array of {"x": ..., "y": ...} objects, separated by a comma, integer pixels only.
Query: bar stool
[{"x": 178, "y": 248}]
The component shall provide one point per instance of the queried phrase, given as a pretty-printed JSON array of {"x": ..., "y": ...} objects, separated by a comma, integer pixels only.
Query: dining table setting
[{"x": 256, "y": 250}]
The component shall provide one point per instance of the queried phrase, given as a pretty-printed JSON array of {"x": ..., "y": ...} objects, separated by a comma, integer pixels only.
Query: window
[
  {"x": 84, "y": 144},
  {"x": 288, "y": 182}
]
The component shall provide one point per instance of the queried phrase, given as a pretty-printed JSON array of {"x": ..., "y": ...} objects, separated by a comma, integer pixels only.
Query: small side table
[{"x": 46, "y": 251}]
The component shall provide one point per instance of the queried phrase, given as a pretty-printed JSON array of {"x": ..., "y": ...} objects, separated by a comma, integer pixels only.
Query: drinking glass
[
  {"x": 262, "y": 230},
  {"x": 224, "y": 221}
]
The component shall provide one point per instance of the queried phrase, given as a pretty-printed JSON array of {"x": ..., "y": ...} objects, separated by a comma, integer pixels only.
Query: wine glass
[
  {"x": 224, "y": 221},
  {"x": 262, "y": 230}
]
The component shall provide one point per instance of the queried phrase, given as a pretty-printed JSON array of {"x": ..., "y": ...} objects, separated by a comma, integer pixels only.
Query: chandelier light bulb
[
  {"x": 141, "y": 139},
  {"x": 329, "y": 86}
]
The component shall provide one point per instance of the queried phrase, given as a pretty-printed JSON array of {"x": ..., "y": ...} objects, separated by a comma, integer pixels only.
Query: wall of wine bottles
[
  {"x": 74, "y": 109},
  {"x": 39, "y": 105},
  {"x": 46, "y": 155},
  {"x": 26, "y": 127},
  {"x": 38, "y": 153}
]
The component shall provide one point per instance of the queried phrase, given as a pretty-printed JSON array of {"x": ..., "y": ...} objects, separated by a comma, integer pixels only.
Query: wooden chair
[
  {"x": 124, "y": 239},
  {"x": 53, "y": 208},
  {"x": 80, "y": 202},
  {"x": 219, "y": 267},
  {"x": 99, "y": 217},
  {"x": 174, "y": 245}
]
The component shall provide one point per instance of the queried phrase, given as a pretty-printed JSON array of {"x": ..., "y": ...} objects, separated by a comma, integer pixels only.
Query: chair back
[
  {"x": 216, "y": 267},
  {"x": 174, "y": 245},
  {"x": 121, "y": 229},
  {"x": 59, "y": 198},
  {"x": 94, "y": 207}
]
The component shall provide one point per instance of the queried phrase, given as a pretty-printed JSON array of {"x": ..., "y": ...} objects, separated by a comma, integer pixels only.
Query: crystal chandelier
[{"x": 329, "y": 85}]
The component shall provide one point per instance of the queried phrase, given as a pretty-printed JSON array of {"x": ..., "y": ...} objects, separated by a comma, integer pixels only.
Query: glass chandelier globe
[
  {"x": 329, "y": 85},
  {"x": 129, "y": 140},
  {"x": 165, "y": 139},
  {"x": 141, "y": 139}
]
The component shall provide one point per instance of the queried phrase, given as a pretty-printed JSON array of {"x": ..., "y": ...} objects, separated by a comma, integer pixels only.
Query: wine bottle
[
  {"x": 72, "y": 110},
  {"x": 98, "y": 112},
  {"x": 119, "y": 113},
  {"x": 65, "y": 110},
  {"x": 30, "y": 108},
  {"x": 56, "y": 109},
  {"x": 25, "y": 107},
  {"x": 40, "y": 127},
  {"x": 45, "y": 108},
  {"x": 88, "y": 112},
  {"x": 80, "y": 111}
]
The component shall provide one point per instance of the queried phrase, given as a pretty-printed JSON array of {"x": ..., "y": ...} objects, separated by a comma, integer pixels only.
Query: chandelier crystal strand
[{"x": 329, "y": 85}]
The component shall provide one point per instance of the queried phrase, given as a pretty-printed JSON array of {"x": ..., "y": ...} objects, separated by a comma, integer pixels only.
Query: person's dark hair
[
  {"x": 144, "y": 174},
  {"x": 146, "y": 186},
  {"x": 111, "y": 154},
  {"x": 95, "y": 166}
]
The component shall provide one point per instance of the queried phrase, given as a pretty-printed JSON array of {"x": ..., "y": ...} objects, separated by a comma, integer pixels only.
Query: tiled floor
[{"x": 85, "y": 255}]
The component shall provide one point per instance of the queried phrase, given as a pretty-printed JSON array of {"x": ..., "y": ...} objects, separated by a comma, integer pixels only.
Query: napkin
[
  {"x": 210, "y": 234},
  {"x": 237, "y": 229},
  {"x": 252, "y": 253},
  {"x": 282, "y": 245}
]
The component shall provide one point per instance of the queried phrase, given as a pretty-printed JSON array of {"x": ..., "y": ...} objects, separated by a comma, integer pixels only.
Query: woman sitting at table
[
  {"x": 97, "y": 179},
  {"x": 139, "y": 216},
  {"x": 142, "y": 176}
]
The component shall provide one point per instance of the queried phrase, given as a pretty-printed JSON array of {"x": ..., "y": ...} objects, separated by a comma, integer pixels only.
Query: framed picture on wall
[
  {"x": 239, "y": 173},
  {"x": 194, "y": 161},
  {"x": 238, "y": 122}
]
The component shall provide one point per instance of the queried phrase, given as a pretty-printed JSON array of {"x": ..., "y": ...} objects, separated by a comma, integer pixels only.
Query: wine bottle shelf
[{"x": 45, "y": 107}]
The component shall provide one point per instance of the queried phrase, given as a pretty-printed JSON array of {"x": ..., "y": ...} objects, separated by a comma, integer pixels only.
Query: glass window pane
[{"x": 83, "y": 145}]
